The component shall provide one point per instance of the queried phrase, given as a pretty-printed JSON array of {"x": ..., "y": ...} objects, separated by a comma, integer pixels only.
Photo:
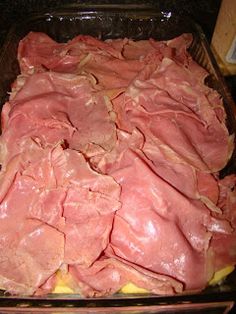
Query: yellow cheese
[
  {"x": 131, "y": 288},
  {"x": 63, "y": 284},
  {"x": 63, "y": 287},
  {"x": 221, "y": 274}
]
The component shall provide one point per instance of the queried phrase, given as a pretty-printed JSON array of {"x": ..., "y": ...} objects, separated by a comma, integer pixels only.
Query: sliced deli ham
[
  {"x": 58, "y": 108},
  {"x": 110, "y": 160},
  {"x": 23, "y": 265},
  {"x": 152, "y": 210},
  {"x": 153, "y": 105},
  {"x": 108, "y": 275},
  {"x": 25, "y": 229},
  {"x": 43, "y": 185}
]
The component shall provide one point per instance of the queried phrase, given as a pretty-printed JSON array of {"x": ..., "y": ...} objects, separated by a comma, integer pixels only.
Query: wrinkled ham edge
[{"x": 143, "y": 64}]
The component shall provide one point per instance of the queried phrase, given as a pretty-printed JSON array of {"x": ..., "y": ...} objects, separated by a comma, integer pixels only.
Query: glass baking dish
[{"x": 116, "y": 21}]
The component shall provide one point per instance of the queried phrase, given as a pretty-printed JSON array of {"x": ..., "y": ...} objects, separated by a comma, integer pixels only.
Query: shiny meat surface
[{"x": 110, "y": 155}]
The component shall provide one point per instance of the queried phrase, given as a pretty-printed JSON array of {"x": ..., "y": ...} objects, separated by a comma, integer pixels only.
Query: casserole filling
[{"x": 110, "y": 155}]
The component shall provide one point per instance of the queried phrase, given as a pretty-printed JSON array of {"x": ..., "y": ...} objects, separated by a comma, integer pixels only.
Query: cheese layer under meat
[{"x": 63, "y": 287}]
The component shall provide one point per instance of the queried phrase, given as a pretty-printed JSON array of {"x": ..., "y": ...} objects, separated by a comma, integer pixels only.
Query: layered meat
[{"x": 110, "y": 156}]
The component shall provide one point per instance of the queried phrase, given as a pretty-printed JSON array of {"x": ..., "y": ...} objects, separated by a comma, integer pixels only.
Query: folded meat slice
[
  {"x": 51, "y": 193},
  {"x": 89, "y": 203},
  {"x": 208, "y": 189},
  {"x": 104, "y": 162},
  {"x": 185, "y": 178},
  {"x": 152, "y": 210},
  {"x": 84, "y": 54},
  {"x": 114, "y": 63},
  {"x": 159, "y": 229},
  {"x": 85, "y": 241},
  {"x": 174, "y": 48},
  {"x": 224, "y": 248},
  {"x": 227, "y": 198},
  {"x": 111, "y": 73},
  {"x": 107, "y": 275},
  {"x": 53, "y": 108},
  {"x": 37, "y": 52},
  {"x": 29, "y": 179},
  {"x": 29, "y": 86},
  {"x": 89, "y": 208},
  {"x": 27, "y": 258},
  {"x": 120, "y": 71},
  {"x": 169, "y": 100}
]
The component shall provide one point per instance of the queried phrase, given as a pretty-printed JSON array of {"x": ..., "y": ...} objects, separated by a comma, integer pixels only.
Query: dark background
[{"x": 203, "y": 11}]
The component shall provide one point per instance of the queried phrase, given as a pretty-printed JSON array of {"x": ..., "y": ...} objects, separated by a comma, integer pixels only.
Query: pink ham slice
[
  {"x": 111, "y": 150},
  {"x": 193, "y": 184},
  {"x": 89, "y": 208},
  {"x": 53, "y": 108},
  {"x": 152, "y": 210},
  {"x": 37, "y": 52},
  {"x": 224, "y": 247},
  {"x": 169, "y": 100},
  {"x": 113, "y": 63},
  {"x": 27, "y": 258},
  {"x": 53, "y": 197},
  {"x": 107, "y": 275},
  {"x": 84, "y": 54}
]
